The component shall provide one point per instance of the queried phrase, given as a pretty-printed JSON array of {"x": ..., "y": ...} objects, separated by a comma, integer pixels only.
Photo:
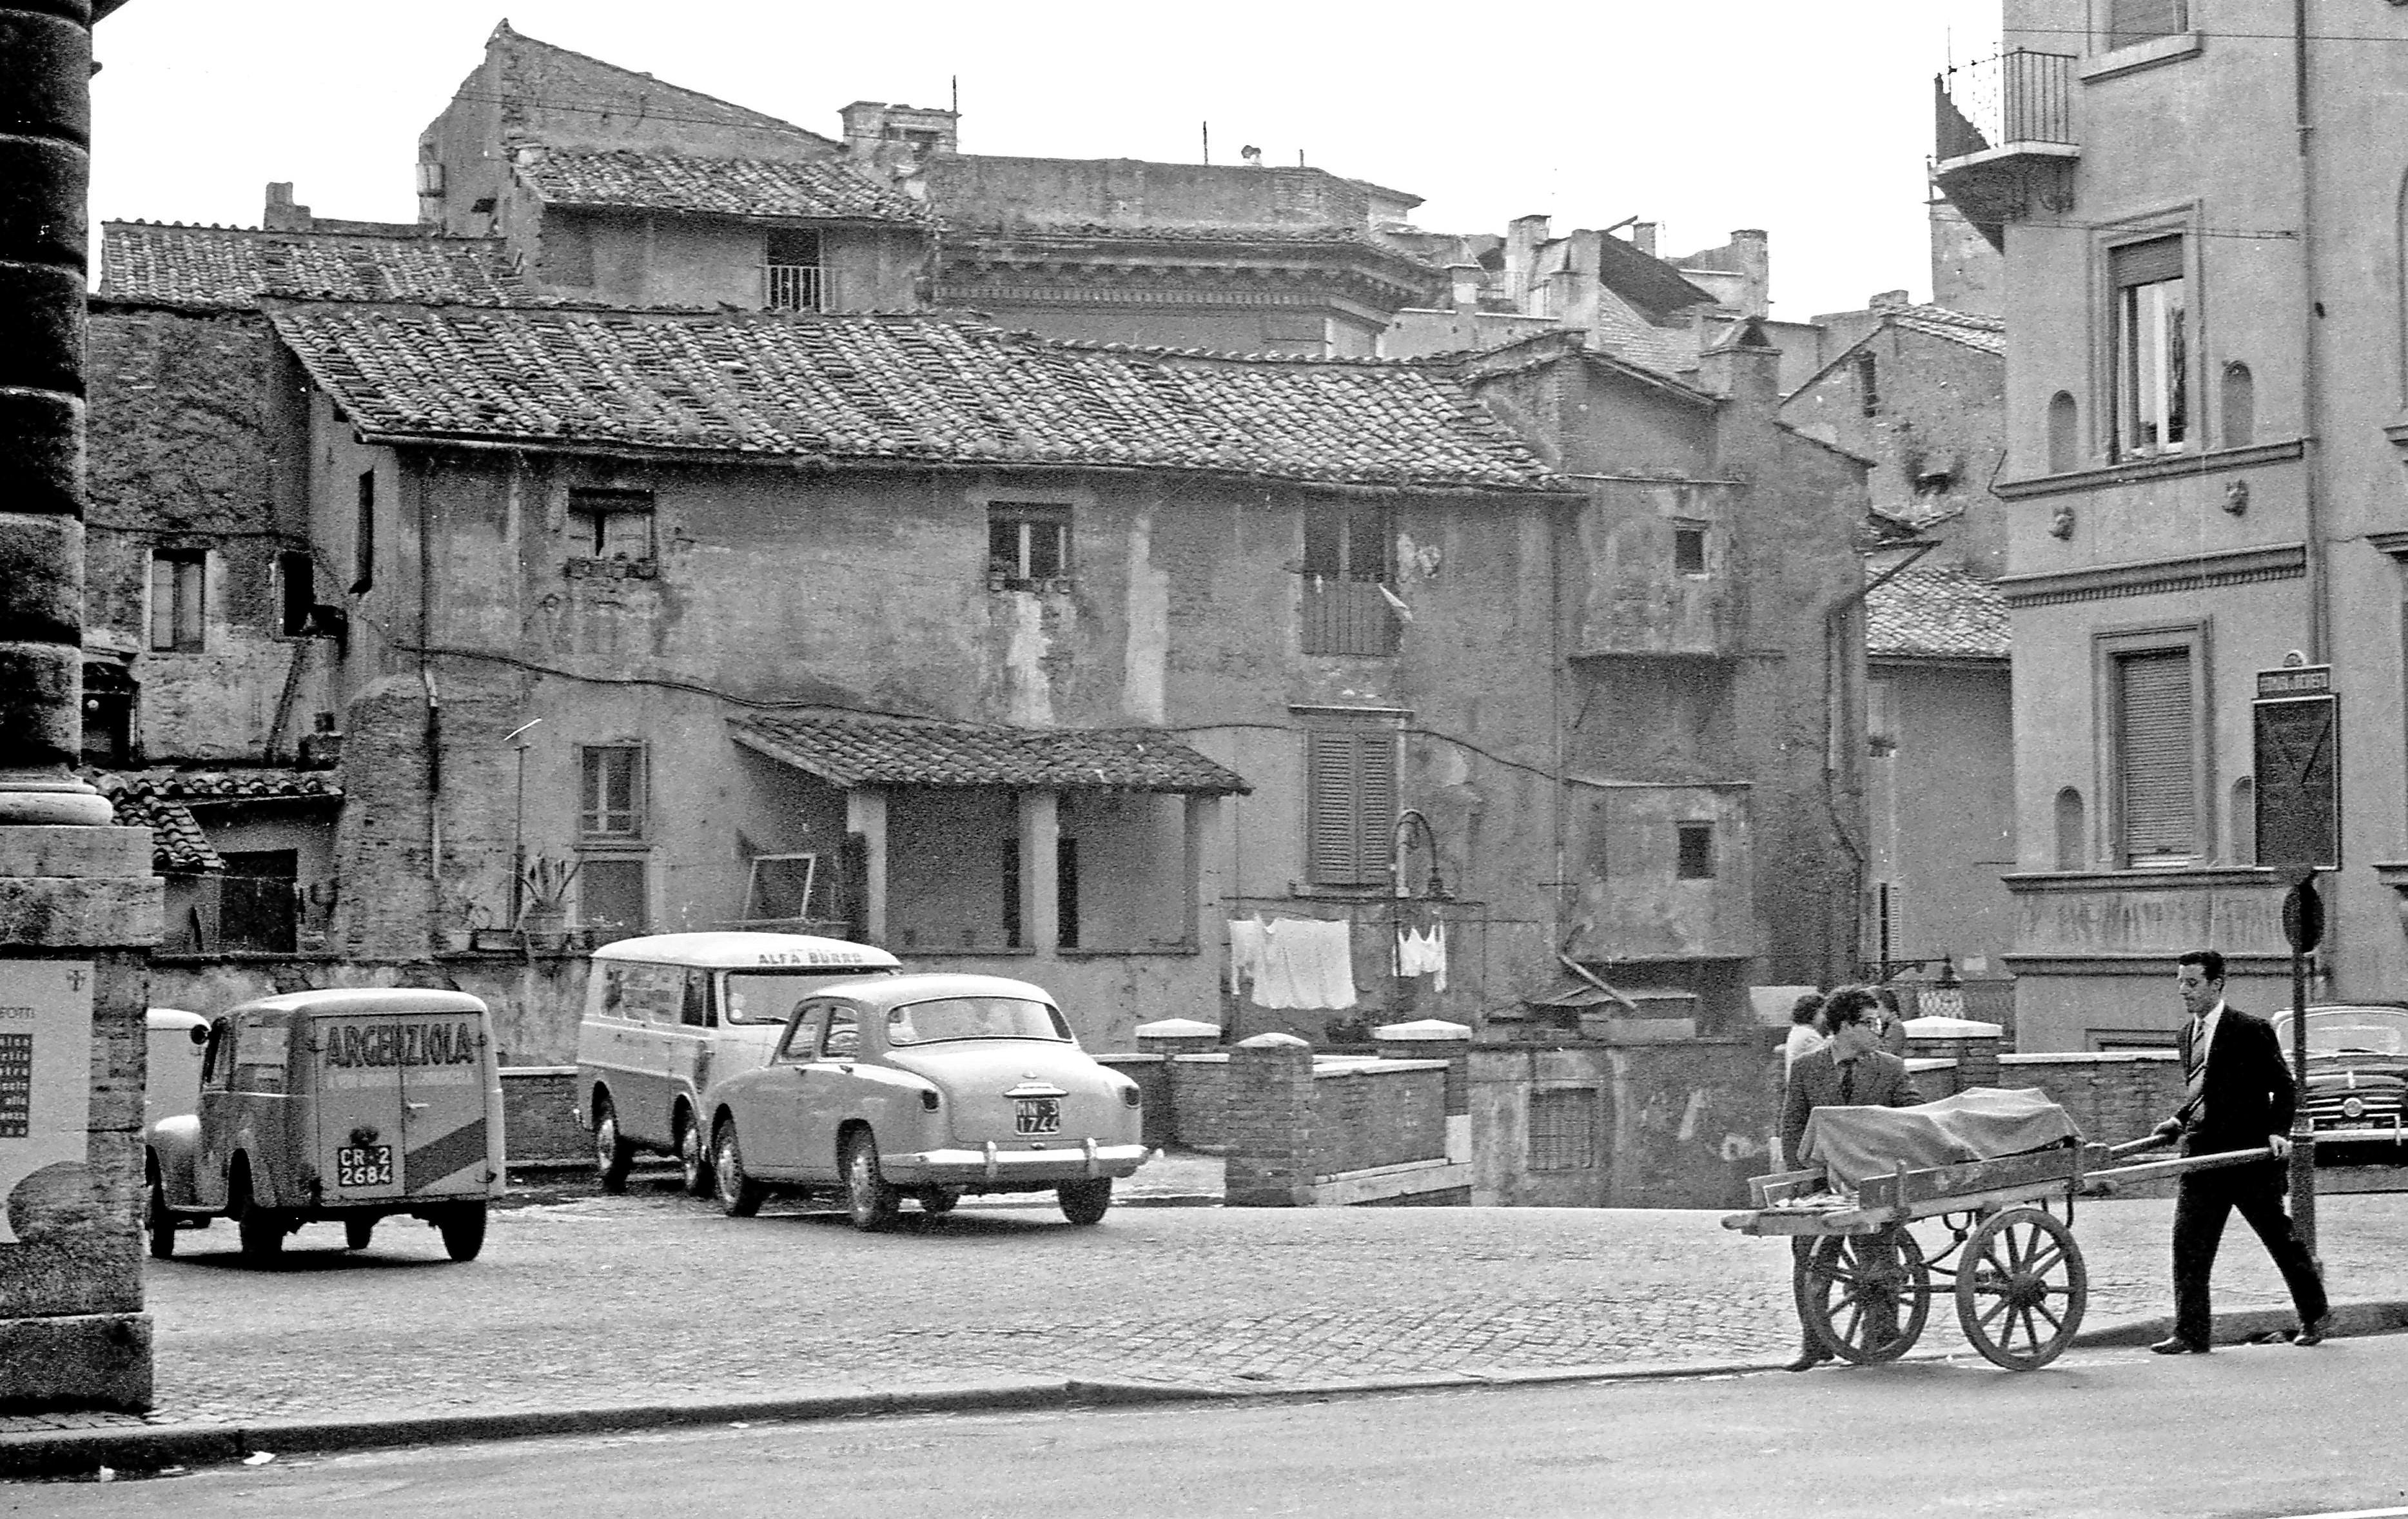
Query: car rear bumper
[{"x": 994, "y": 1166}]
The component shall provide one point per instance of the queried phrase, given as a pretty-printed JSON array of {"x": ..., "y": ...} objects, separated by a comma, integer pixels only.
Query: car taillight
[
  {"x": 1131, "y": 1096},
  {"x": 929, "y": 1100}
]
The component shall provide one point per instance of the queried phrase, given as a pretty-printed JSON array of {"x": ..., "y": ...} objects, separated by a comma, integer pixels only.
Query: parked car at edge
[
  {"x": 2357, "y": 1094},
  {"x": 347, "y": 1105},
  {"x": 666, "y": 1014},
  {"x": 926, "y": 1087}
]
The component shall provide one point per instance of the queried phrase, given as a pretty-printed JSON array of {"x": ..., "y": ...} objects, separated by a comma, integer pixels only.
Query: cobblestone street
[{"x": 582, "y": 1300}]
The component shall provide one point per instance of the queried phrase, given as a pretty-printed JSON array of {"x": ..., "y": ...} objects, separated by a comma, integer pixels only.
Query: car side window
[
  {"x": 803, "y": 1034},
  {"x": 843, "y": 1031},
  {"x": 216, "y": 1062},
  {"x": 695, "y": 1013}
]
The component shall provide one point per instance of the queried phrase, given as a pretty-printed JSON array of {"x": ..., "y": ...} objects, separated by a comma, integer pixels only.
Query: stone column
[
  {"x": 78, "y": 905},
  {"x": 1269, "y": 1133}
]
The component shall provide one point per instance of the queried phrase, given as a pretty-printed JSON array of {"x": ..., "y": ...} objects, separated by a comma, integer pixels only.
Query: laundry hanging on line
[
  {"x": 1423, "y": 954},
  {"x": 1305, "y": 962}
]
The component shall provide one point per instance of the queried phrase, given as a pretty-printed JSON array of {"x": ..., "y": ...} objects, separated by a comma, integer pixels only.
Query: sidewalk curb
[{"x": 80, "y": 1451}]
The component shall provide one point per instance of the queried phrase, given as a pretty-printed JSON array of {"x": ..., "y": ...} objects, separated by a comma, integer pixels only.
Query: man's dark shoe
[
  {"x": 2177, "y": 1345},
  {"x": 1808, "y": 1359},
  {"x": 2314, "y": 1331}
]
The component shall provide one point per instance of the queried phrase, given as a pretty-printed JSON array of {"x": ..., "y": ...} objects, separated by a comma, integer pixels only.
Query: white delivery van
[{"x": 667, "y": 1015}]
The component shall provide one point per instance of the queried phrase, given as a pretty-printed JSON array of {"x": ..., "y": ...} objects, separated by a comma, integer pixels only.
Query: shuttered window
[
  {"x": 2154, "y": 732},
  {"x": 1563, "y": 1129},
  {"x": 1350, "y": 804},
  {"x": 2138, "y": 21}
]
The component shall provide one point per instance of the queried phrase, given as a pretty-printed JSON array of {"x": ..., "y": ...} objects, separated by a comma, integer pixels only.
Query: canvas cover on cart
[{"x": 1982, "y": 1123}]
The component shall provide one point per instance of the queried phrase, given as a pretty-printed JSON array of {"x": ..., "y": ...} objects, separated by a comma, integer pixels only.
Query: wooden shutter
[
  {"x": 1350, "y": 805},
  {"x": 2145, "y": 263},
  {"x": 2155, "y": 757},
  {"x": 2138, "y": 21}
]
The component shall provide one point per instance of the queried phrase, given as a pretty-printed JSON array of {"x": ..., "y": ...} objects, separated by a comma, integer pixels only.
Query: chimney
[
  {"x": 1643, "y": 235},
  {"x": 1753, "y": 249},
  {"x": 1462, "y": 284},
  {"x": 1523, "y": 237},
  {"x": 1745, "y": 367},
  {"x": 1888, "y": 300},
  {"x": 281, "y": 215}
]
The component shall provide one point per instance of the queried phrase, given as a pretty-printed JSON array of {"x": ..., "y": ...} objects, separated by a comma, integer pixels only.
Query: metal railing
[
  {"x": 1348, "y": 616},
  {"x": 794, "y": 287},
  {"x": 2016, "y": 97}
]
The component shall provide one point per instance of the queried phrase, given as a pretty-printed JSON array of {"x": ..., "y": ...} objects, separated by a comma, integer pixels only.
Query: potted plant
[
  {"x": 468, "y": 918},
  {"x": 543, "y": 915}
]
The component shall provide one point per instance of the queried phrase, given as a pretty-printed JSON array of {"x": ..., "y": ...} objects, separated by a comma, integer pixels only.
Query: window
[
  {"x": 2064, "y": 434},
  {"x": 2152, "y": 356},
  {"x": 612, "y": 806},
  {"x": 1350, "y": 805},
  {"x": 363, "y": 534},
  {"x": 1563, "y": 1129},
  {"x": 795, "y": 279},
  {"x": 1350, "y": 560},
  {"x": 1689, "y": 551},
  {"x": 178, "y": 582},
  {"x": 2072, "y": 830},
  {"x": 1696, "y": 851},
  {"x": 259, "y": 900},
  {"x": 296, "y": 591},
  {"x": 610, "y": 524},
  {"x": 2138, "y": 21},
  {"x": 1027, "y": 543},
  {"x": 1868, "y": 385},
  {"x": 108, "y": 692},
  {"x": 2155, "y": 741},
  {"x": 2239, "y": 405}
]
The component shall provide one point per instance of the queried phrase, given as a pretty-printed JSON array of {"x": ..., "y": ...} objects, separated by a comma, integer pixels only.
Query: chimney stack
[{"x": 281, "y": 215}]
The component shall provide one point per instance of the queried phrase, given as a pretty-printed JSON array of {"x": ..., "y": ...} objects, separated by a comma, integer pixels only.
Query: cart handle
[{"x": 2134, "y": 1147}]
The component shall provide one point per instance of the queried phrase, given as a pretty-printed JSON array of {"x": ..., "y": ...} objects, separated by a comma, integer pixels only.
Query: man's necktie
[
  {"x": 1847, "y": 1082},
  {"x": 2194, "y": 1058}
]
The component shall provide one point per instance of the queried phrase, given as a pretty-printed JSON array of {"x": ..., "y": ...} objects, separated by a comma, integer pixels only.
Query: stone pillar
[
  {"x": 78, "y": 905},
  {"x": 1041, "y": 868},
  {"x": 1433, "y": 1038},
  {"x": 1972, "y": 1044},
  {"x": 1178, "y": 1036},
  {"x": 1270, "y": 1124},
  {"x": 864, "y": 813}
]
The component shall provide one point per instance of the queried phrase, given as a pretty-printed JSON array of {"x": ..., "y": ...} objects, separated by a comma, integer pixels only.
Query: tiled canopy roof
[
  {"x": 232, "y": 267},
  {"x": 1938, "y": 612},
  {"x": 820, "y": 188},
  {"x": 849, "y": 752},
  {"x": 1987, "y": 334},
  {"x": 892, "y": 388},
  {"x": 162, "y": 801}
]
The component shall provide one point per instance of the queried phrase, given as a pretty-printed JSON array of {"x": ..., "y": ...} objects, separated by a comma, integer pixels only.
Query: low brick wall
[
  {"x": 539, "y": 1123},
  {"x": 1307, "y": 1131},
  {"x": 2112, "y": 1096},
  {"x": 1152, "y": 1074},
  {"x": 1369, "y": 1113},
  {"x": 1199, "y": 1102}
]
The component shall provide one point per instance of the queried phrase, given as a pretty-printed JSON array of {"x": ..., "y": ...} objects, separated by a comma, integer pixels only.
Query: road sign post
[{"x": 2296, "y": 729}]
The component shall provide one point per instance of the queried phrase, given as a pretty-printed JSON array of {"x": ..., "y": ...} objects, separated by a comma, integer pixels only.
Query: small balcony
[
  {"x": 2006, "y": 147},
  {"x": 795, "y": 287},
  {"x": 1349, "y": 618}
]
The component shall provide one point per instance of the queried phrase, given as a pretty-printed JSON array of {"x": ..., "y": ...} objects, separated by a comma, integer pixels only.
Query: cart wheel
[
  {"x": 2021, "y": 1288},
  {"x": 1866, "y": 1296}
]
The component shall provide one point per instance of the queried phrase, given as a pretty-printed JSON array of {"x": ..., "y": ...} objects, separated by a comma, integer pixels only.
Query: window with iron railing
[
  {"x": 795, "y": 279},
  {"x": 1350, "y": 567}
]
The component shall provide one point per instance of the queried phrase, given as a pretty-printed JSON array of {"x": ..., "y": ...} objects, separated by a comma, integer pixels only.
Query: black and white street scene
[{"x": 1303, "y": 760}]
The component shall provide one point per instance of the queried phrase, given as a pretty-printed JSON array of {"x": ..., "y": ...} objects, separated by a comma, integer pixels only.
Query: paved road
[
  {"x": 2247, "y": 1431},
  {"x": 594, "y": 1301}
]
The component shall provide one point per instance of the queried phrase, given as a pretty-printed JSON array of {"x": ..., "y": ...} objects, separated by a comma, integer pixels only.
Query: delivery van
[
  {"x": 667, "y": 1015},
  {"x": 351, "y": 1106}
]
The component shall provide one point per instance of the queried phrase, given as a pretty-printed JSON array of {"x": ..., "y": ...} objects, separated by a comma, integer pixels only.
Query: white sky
[{"x": 1811, "y": 119}]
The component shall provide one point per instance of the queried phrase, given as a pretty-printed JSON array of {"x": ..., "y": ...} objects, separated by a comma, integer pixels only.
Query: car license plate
[
  {"x": 1037, "y": 1115},
  {"x": 364, "y": 1165}
]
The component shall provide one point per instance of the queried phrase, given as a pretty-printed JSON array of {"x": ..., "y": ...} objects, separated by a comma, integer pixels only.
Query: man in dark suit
[
  {"x": 1850, "y": 1071},
  {"x": 2237, "y": 1096}
]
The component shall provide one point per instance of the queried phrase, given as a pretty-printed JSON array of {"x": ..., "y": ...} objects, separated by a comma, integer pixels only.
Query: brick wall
[
  {"x": 1199, "y": 1102},
  {"x": 1270, "y": 1123},
  {"x": 1367, "y": 1114},
  {"x": 539, "y": 1123},
  {"x": 2112, "y": 1096},
  {"x": 1152, "y": 1074}
]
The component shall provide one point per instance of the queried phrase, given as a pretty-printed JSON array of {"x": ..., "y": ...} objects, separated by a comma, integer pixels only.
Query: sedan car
[
  {"x": 2358, "y": 1080},
  {"x": 926, "y": 1087}
]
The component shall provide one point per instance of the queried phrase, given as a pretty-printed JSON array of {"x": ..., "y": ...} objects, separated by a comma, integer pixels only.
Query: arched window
[
  {"x": 2064, "y": 434},
  {"x": 2243, "y": 822},
  {"x": 2239, "y": 405},
  {"x": 2072, "y": 830}
]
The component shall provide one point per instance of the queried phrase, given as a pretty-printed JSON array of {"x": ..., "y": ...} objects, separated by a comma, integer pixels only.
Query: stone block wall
[{"x": 539, "y": 1123}]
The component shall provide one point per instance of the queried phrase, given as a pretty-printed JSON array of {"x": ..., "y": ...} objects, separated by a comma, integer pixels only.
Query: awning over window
[{"x": 853, "y": 752}]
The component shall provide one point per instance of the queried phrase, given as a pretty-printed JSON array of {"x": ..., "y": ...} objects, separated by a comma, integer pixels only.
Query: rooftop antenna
[
  {"x": 957, "y": 94},
  {"x": 1208, "y": 142}
]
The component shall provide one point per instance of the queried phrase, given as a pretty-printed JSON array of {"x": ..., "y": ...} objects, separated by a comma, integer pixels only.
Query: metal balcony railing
[
  {"x": 1348, "y": 616},
  {"x": 2016, "y": 97},
  {"x": 794, "y": 287}
]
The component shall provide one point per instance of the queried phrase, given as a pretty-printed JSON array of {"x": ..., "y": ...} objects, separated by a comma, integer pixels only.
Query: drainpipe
[
  {"x": 1833, "y": 619},
  {"x": 2311, "y": 316}
]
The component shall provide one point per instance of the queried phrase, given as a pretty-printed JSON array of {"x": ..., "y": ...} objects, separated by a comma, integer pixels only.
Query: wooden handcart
[{"x": 2016, "y": 1272}]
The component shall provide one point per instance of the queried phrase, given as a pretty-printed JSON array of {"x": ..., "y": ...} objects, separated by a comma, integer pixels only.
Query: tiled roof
[
  {"x": 233, "y": 268},
  {"x": 1937, "y": 611},
  {"x": 892, "y": 388},
  {"x": 848, "y": 752},
  {"x": 1987, "y": 334},
  {"x": 820, "y": 188},
  {"x": 162, "y": 801}
]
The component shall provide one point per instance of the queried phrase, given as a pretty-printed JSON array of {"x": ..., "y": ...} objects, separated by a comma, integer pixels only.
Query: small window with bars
[
  {"x": 795, "y": 278},
  {"x": 1027, "y": 545},
  {"x": 612, "y": 803},
  {"x": 611, "y": 525},
  {"x": 1350, "y": 565},
  {"x": 1563, "y": 1128}
]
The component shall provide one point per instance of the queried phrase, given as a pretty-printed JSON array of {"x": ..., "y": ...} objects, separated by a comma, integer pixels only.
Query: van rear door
[{"x": 402, "y": 1106}]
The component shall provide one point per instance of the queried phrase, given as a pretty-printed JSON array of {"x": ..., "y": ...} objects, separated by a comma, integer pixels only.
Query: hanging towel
[
  {"x": 1245, "y": 953},
  {"x": 1306, "y": 962},
  {"x": 1423, "y": 954}
]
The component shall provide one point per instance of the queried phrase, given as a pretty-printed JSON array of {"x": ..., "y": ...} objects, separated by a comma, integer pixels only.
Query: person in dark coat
[{"x": 2237, "y": 1096}]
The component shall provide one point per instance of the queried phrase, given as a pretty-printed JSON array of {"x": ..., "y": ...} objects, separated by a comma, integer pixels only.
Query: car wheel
[
  {"x": 464, "y": 1230},
  {"x": 1085, "y": 1202},
  {"x": 938, "y": 1200},
  {"x": 160, "y": 1222},
  {"x": 260, "y": 1230},
  {"x": 694, "y": 1160},
  {"x": 613, "y": 1154},
  {"x": 871, "y": 1200},
  {"x": 739, "y": 1195},
  {"x": 357, "y": 1230}
]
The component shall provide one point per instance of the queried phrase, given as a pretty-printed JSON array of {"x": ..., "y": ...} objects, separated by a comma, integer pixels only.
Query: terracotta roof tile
[
  {"x": 848, "y": 752},
  {"x": 817, "y": 189},
  {"x": 1937, "y": 611},
  {"x": 162, "y": 802},
  {"x": 1987, "y": 334},
  {"x": 898, "y": 388},
  {"x": 233, "y": 268}
]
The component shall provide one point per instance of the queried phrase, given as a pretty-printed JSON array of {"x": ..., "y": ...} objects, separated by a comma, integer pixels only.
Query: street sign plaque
[
  {"x": 2296, "y": 723},
  {"x": 2303, "y": 917}
]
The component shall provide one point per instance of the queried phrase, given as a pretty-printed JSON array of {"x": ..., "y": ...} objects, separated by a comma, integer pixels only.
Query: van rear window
[{"x": 768, "y": 997}]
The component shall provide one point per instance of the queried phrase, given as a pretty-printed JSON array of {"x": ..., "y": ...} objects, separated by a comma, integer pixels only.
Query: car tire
[
  {"x": 464, "y": 1230},
  {"x": 739, "y": 1195},
  {"x": 694, "y": 1158},
  {"x": 358, "y": 1230},
  {"x": 260, "y": 1230},
  {"x": 1085, "y": 1202},
  {"x": 160, "y": 1223},
  {"x": 939, "y": 1200},
  {"x": 613, "y": 1154},
  {"x": 870, "y": 1198}
]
